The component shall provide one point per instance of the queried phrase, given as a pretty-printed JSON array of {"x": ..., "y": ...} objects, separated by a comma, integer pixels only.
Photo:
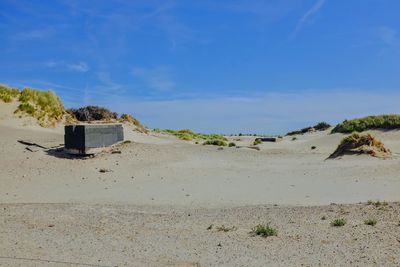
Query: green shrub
[
  {"x": 264, "y": 230},
  {"x": 338, "y": 222},
  {"x": 215, "y": 143},
  {"x": 387, "y": 122},
  {"x": 257, "y": 142},
  {"x": 231, "y": 144},
  {"x": 94, "y": 113},
  {"x": 322, "y": 126},
  {"x": 371, "y": 222}
]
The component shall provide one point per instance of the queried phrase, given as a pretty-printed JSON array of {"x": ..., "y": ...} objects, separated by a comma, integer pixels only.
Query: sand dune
[{"x": 160, "y": 194}]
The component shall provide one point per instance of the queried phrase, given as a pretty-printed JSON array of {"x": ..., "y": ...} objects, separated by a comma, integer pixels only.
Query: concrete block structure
[
  {"x": 87, "y": 139},
  {"x": 269, "y": 139}
]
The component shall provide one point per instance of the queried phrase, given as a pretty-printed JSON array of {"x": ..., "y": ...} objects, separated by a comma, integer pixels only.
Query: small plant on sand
[
  {"x": 215, "y": 143},
  {"x": 231, "y": 144},
  {"x": 361, "y": 144},
  {"x": 126, "y": 142},
  {"x": 313, "y": 147},
  {"x": 264, "y": 230},
  {"x": 338, "y": 222},
  {"x": 294, "y": 138},
  {"x": 371, "y": 222},
  {"x": 257, "y": 142},
  {"x": 223, "y": 228}
]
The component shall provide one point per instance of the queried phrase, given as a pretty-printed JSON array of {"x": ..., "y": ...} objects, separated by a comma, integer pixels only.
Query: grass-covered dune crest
[
  {"x": 189, "y": 135},
  {"x": 383, "y": 122},
  {"x": 45, "y": 106},
  {"x": 48, "y": 110}
]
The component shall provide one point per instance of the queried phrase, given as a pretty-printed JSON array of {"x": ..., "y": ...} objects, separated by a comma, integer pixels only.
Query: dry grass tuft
[
  {"x": 361, "y": 144},
  {"x": 126, "y": 118}
]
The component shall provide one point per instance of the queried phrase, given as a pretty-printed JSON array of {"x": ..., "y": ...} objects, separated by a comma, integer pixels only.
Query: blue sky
[{"x": 213, "y": 66}]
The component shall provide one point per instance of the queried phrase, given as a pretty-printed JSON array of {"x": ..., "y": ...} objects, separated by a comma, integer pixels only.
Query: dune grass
[
  {"x": 384, "y": 122},
  {"x": 45, "y": 106},
  {"x": 357, "y": 143},
  {"x": 189, "y": 135},
  {"x": 126, "y": 118},
  {"x": 215, "y": 143},
  {"x": 7, "y": 94}
]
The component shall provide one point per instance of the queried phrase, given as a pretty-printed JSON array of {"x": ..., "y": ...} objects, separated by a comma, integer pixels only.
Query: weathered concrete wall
[{"x": 84, "y": 139}]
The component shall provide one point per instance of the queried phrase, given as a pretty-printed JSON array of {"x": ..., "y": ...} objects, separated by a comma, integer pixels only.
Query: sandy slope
[
  {"x": 165, "y": 171},
  {"x": 138, "y": 213}
]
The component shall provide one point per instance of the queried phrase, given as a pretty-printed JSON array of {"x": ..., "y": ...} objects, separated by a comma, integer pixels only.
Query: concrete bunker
[
  {"x": 268, "y": 139},
  {"x": 84, "y": 139}
]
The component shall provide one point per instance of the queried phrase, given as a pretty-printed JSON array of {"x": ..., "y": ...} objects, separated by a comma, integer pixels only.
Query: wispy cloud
[
  {"x": 388, "y": 41},
  {"x": 389, "y": 36},
  {"x": 33, "y": 34},
  {"x": 307, "y": 16},
  {"x": 79, "y": 67},
  {"x": 159, "y": 78}
]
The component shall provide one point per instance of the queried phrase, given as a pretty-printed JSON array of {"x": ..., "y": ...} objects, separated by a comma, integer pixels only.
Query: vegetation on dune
[
  {"x": 45, "y": 106},
  {"x": 321, "y": 126},
  {"x": 93, "y": 113},
  {"x": 7, "y": 94},
  {"x": 48, "y": 109},
  {"x": 371, "y": 222},
  {"x": 215, "y": 143},
  {"x": 361, "y": 144},
  {"x": 257, "y": 142},
  {"x": 189, "y": 135},
  {"x": 386, "y": 122},
  {"x": 224, "y": 228},
  {"x": 231, "y": 144},
  {"x": 377, "y": 203},
  {"x": 264, "y": 230},
  {"x": 338, "y": 222},
  {"x": 126, "y": 118}
]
